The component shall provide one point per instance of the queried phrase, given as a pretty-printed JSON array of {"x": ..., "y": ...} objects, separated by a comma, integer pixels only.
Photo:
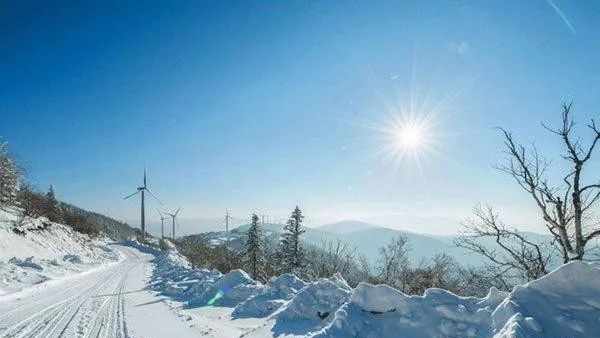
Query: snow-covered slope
[{"x": 35, "y": 250}]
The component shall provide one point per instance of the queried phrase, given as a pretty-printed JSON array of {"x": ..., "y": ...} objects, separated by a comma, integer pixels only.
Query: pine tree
[
  {"x": 52, "y": 206},
  {"x": 291, "y": 252},
  {"x": 10, "y": 175},
  {"x": 254, "y": 250}
]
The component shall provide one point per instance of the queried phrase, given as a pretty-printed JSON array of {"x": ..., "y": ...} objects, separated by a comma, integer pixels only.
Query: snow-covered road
[{"x": 109, "y": 301}]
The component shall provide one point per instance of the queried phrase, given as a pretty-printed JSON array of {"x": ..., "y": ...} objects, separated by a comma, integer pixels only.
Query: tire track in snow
[{"x": 55, "y": 320}]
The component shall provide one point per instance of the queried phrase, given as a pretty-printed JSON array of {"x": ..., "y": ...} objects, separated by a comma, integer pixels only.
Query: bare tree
[
  {"x": 566, "y": 208},
  {"x": 514, "y": 256},
  {"x": 330, "y": 257}
]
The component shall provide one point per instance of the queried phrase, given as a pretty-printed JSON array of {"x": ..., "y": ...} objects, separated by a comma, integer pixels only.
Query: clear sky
[{"x": 259, "y": 106}]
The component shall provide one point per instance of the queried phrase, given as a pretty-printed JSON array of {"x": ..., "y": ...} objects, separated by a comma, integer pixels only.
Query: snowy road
[{"x": 109, "y": 301}]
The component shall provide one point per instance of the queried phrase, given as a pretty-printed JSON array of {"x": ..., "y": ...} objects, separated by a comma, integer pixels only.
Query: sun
[{"x": 410, "y": 136}]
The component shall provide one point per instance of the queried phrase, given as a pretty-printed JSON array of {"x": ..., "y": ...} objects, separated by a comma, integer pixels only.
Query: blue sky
[{"x": 259, "y": 106}]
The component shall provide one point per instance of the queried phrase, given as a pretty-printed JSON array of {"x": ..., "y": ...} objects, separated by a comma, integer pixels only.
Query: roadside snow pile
[
  {"x": 275, "y": 293},
  {"x": 33, "y": 250},
  {"x": 565, "y": 303},
  {"x": 172, "y": 275},
  {"x": 381, "y": 311},
  {"x": 312, "y": 308},
  {"x": 229, "y": 290}
]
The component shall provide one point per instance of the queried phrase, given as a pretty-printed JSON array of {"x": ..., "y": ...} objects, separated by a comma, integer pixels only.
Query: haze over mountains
[{"x": 367, "y": 238}]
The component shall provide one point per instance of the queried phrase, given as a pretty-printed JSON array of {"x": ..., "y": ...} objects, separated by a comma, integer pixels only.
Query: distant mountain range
[{"x": 367, "y": 238}]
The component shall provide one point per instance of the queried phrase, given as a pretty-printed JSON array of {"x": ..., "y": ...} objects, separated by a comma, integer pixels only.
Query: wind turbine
[
  {"x": 141, "y": 190},
  {"x": 162, "y": 224},
  {"x": 227, "y": 218},
  {"x": 173, "y": 217}
]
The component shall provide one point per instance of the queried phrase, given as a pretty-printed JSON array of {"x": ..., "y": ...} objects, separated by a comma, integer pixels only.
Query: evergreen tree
[
  {"x": 253, "y": 258},
  {"x": 291, "y": 252},
  {"x": 52, "y": 206},
  {"x": 10, "y": 175}
]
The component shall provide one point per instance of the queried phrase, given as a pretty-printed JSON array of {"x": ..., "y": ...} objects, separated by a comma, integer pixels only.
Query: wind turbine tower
[
  {"x": 173, "y": 218},
  {"x": 227, "y": 219},
  {"x": 142, "y": 190},
  {"x": 162, "y": 225}
]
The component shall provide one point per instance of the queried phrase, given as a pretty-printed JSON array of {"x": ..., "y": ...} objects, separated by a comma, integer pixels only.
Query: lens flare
[{"x": 218, "y": 296}]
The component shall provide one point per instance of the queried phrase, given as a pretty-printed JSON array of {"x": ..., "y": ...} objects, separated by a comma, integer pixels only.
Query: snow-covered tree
[
  {"x": 290, "y": 249},
  {"x": 9, "y": 177},
  {"x": 52, "y": 205},
  {"x": 253, "y": 258}
]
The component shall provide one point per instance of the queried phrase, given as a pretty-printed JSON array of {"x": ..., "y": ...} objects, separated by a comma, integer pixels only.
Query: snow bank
[
  {"x": 565, "y": 303},
  {"x": 34, "y": 250},
  {"x": 312, "y": 308},
  {"x": 228, "y": 290},
  {"x": 172, "y": 275},
  {"x": 275, "y": 293}
]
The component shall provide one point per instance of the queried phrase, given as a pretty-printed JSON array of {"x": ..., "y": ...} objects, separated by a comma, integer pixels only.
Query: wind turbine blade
[
  {"x": 160, "y": 213},
  {"x": 131, "y": 195},
  {"x": 151, "y": 194},
  {"x": 144, "y": 176},
  {"x": 176, "y": 212}
]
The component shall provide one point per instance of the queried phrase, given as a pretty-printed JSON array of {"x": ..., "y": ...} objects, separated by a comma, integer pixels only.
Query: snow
[
  {"x": 565, "y": 303},
  {"x": 228, "y": 290},
  {"x": 79, "y": 287},
  {"x": 38, "y": 250},
  {"x": 275, "y": 293}
]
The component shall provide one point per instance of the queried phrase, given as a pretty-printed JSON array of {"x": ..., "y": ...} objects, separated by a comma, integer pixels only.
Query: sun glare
[{"x": 410, "y": 136}]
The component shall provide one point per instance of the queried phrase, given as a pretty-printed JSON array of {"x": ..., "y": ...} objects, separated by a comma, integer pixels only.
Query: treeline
[
  {"x": 310, "y": 262},
  {"x": 34, "y": 203}
]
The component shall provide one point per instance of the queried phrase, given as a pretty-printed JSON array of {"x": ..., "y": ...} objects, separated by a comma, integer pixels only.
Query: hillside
[
  {"x": 34, "y": 250},
  {"x": 345, "y": 227},
  {"x": 116, "y": 230},
  {"x": 367, "y": 239}
]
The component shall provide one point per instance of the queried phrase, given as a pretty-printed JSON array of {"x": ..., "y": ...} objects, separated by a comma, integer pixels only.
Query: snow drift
[
  {"x": 228, "y": 290},
  {"x": 565, "y": 303},
  {"x": 275, "y": 293}
]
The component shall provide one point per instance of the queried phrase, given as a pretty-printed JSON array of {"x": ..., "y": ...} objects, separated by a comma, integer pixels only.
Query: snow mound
[
  {"x": 228, "y": 290},
  {"x": 312, "y": 307},
  {"x": 172, "y": 275},
  {"x": 565, "y": 303},
  {"x": 381, "y": 311},
  {"x": 275, "y": 293},
  {"x": 33, "y": 250}
]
